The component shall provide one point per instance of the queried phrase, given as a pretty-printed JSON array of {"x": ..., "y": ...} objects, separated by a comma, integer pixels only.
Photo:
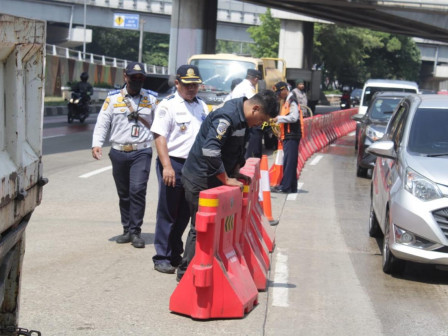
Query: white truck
[{"x": 22, "y": 52}]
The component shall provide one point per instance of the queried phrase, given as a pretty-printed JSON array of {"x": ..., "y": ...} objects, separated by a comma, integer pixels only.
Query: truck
[
  {"x": 22, "y": 56},
  {"x": 219, "y": 70}
]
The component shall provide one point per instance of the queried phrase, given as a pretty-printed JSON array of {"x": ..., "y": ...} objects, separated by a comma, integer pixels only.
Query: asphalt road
[{"x": 325, "y": 276}]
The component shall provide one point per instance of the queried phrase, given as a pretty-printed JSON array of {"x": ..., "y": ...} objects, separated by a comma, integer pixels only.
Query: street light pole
[
  {"x": 84, "y": 43},
  {"x": 140, "y": 43}
]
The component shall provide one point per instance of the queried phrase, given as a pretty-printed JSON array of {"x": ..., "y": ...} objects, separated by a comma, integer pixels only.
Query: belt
[{"x": 130, "y": 147}]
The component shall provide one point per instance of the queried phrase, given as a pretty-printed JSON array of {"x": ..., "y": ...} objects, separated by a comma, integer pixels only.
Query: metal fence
[{"x": 78, "y": 55}]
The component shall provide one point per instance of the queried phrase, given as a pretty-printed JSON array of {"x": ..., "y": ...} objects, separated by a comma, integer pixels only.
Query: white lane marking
[
  {"x": 53, "y": 136},
  {"x": 98, "y": 171},
  {"x": 316, "y": 160},
  {"x": 352, "y": 133},
  {"x": 280, "y": 291},
  {"x": 291, "y": 197}
]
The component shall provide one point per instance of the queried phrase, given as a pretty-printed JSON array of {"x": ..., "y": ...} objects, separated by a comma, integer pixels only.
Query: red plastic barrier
[
  {"x": 257, "y": 217},
  {"x": 216, "y": 284},
  {"x": 251, "y": 240}
]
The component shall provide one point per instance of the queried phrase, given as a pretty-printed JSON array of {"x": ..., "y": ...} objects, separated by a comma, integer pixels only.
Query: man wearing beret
[
  {"x": 176, "y": 123},
  {"x": 127, "y": 114}
]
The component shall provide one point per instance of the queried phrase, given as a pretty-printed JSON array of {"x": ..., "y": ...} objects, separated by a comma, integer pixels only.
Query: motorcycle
[
  {"x": 345, "y": 102},
  {"x": 78, "y": 107}
]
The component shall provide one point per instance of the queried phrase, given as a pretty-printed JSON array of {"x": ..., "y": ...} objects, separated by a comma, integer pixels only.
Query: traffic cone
[
  {"x": 265, "y": 190},
  {"x": 276, "y": 171}
]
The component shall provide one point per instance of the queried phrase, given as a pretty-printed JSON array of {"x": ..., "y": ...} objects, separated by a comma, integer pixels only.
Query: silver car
[{"x": 409, "y": 194}]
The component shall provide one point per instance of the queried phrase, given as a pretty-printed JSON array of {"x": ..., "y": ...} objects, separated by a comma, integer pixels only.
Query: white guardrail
[{"x": 55, "y": 50}]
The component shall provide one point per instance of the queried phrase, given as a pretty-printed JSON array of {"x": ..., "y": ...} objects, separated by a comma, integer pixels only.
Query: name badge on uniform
[
  {"x": 135, "y": 131},
  {"x": 183, "y": 127}
]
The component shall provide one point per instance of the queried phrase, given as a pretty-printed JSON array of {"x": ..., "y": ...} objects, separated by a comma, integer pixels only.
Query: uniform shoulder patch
[
  {"x": 222, "y": 128},
  {"x": 170, "y": 97},
  {"x": 162, "y": 111}
]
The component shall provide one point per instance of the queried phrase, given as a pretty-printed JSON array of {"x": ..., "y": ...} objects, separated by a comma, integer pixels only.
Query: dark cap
[
  {"x": 300, "y": 81},
  {"x": 280, "y": 86},
  {"x": 254, "y": 73},
  {"x": 135, "y": 68},
  {"x": 188, "y": 74}
]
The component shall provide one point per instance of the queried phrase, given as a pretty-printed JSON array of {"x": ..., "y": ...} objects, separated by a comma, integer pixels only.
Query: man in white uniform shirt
[
  {"x": 176, "y": 124},
  {"x": 127, "y": 114},
  {"x": 247, "y": 88}
]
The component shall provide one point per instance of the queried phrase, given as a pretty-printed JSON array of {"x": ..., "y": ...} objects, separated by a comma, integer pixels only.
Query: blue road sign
[{"x": 126, "y": 21}]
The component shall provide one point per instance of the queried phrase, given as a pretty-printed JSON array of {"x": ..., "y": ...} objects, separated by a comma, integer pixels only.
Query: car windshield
[
  {"x": 371, "y": 90},
  {"x": 217, "y": 75},
  {"x": 429, "y": 132},
  {"x": 382, "y": 108}
]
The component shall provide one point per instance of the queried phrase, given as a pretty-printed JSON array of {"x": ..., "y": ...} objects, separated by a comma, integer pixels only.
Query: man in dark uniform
[{"x": 218, "y": 153}]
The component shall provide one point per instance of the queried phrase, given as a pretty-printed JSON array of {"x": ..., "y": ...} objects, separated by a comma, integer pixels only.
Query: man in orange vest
[{"x": 290, "y": 120}]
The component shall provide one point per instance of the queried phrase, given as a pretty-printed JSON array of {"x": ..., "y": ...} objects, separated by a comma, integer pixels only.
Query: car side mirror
[
  {"x": 358, "y": 117},
  {"x": 383, "y": 148}
]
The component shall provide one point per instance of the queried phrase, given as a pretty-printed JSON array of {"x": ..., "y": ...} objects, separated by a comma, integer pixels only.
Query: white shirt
[
  {"x": 113, "y": 117},
  {"x": 243, "y": 89},
  {"x": 179, "y": 121}
]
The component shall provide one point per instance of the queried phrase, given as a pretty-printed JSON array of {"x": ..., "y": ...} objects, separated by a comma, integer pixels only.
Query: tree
[
  {"x": 352, "y": 55},
  {"x": 126, "y": 43},
  {"x": 266, "y": 36}
]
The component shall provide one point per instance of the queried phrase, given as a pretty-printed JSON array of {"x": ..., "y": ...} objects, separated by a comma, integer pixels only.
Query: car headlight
[
  {"x": 373, "y": 134},
  {"x": 409, "y": 238},
  {"x": 421, "y": 187}
]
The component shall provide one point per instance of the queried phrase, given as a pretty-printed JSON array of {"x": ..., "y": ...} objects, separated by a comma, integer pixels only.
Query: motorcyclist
[
  {"x": 345, "y": 99},
  {"x": 85, "y": 89}
]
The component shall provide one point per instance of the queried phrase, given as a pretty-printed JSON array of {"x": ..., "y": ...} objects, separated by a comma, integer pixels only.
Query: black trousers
[
  {"x": 173, "y": 216},
  {"x": 192, "y": 196},
  {"x": 290, "y": 162},
  {"x": 131, "y": 172},
  {"x": 255, "y": 144}
]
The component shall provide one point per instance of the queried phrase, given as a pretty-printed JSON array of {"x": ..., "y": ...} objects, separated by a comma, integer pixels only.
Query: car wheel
[
  {"x": 374, "y": 227},
  {"x": 361, "y": 172},
  {"x": 391, "y": 264}
]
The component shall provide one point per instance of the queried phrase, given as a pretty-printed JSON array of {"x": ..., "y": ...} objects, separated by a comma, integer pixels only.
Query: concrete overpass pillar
[
  {"x": 193, "y": 30},
  {"x": 296, "y": 43}
]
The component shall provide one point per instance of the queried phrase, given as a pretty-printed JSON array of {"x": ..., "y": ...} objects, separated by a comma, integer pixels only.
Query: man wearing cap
[
  {"x": 247, "y": 88},
  {"x": 290, "y": 120},
  {"x": 176, "y": 123},
  {"x": 127, "y": 114},
  {"x": 218, "y": 153}
]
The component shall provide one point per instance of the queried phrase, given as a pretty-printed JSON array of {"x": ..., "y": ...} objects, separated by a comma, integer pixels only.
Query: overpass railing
[{"x": 55, "y": 50}]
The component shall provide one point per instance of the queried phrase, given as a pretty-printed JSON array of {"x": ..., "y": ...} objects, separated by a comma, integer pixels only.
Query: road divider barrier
[{"x": 232, "y": 260}]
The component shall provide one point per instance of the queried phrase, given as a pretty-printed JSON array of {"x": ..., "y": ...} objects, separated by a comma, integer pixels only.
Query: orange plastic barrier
[
  {"x": 217, "y": 283},
  {"x": 258, "y": 218}
]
